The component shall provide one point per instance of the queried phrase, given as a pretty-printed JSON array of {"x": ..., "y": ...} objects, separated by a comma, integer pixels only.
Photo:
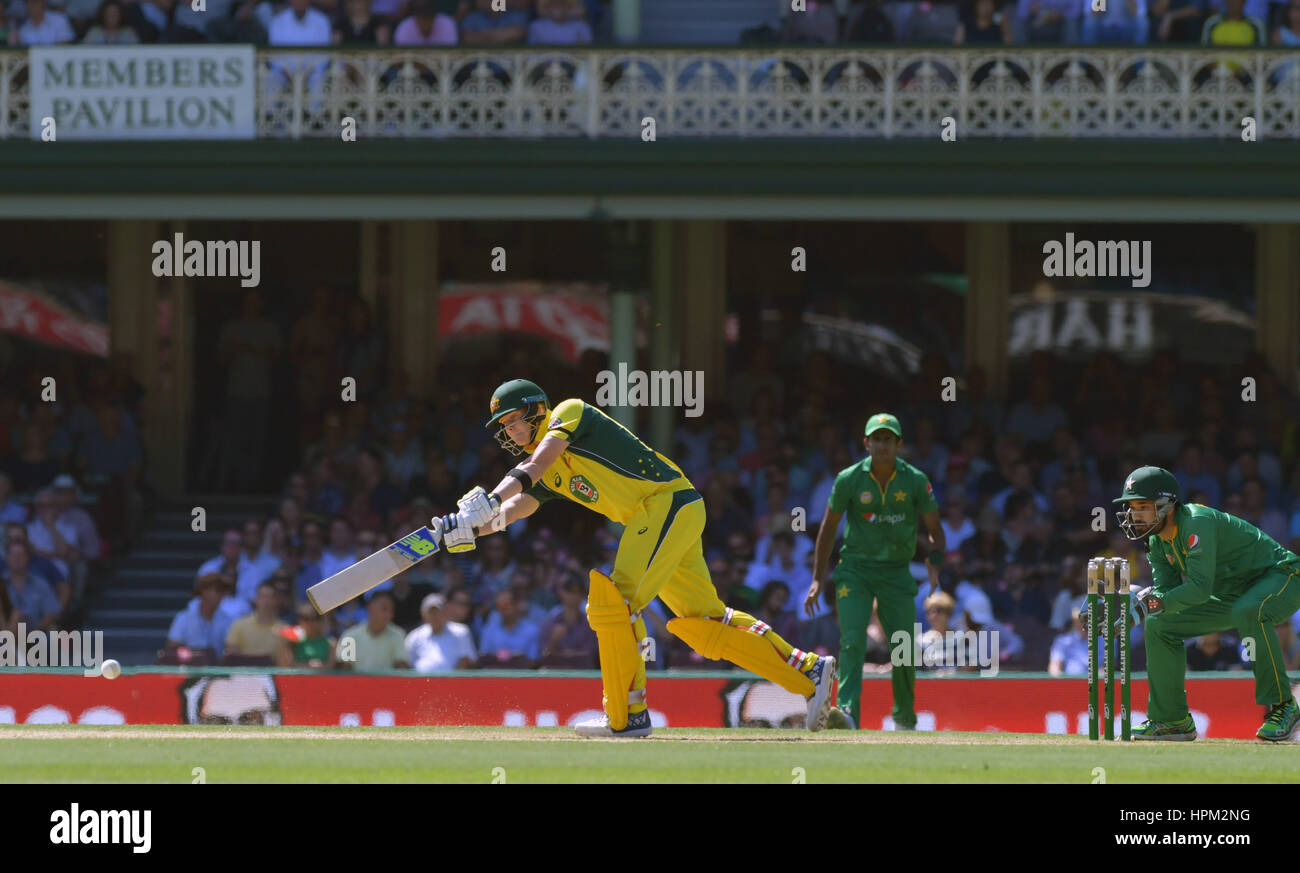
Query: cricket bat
[{"x": 365, "y": 574}]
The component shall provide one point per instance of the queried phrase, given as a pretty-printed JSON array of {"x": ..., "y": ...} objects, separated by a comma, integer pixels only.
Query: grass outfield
[{"x": 79, "y": 753}]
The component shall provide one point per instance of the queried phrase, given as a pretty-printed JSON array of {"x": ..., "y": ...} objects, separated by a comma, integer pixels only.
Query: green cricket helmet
[
  {"x": 1148, "y": 483},
  {"x": 518, "y": 395}
]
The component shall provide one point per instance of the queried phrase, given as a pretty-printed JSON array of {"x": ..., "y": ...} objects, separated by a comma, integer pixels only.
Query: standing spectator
[
  {"x": 379, "y": 644},
  {"x": 202, "y": 624},
  {"x": 32, "y": 596},
  {"x": 358, "y": 25},
  {"x": 42, "y": 26},
  {"x": 439, "y": 645},
  {"x": 484, "y": 26},
  {"x": 425, "y": 27},
  {"x": 560, "y": 22},
  {"x": 65, "y": 499},
  {"x": 305, "y": 644},
  {"x": 249, "y": 346},
  {"x": 567, "y": 639},
  {"x": 258, "y": 634},
  {"x": 508, "y": 638}
]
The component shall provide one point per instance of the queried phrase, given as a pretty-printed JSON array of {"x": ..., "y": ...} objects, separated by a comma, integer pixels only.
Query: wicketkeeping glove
[
  {"x": 479, "y": 507},
  {"x": 457, "y": 534},
  {"x": 1147, "y": 602}
]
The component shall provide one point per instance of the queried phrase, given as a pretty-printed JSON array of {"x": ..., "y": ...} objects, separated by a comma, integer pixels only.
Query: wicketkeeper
[
  {"x": 881, "y": 496},
  {"x": 1212, "y": 572},
  {"x": 579, "y": 453}
]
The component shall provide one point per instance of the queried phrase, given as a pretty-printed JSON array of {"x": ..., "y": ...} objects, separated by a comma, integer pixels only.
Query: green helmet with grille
[
  {"x": 513, "y": 396},
  {"x": 1148, "y": 483}
]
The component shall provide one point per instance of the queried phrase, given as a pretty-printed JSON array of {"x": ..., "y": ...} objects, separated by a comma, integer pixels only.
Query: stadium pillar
[
  {"x": 627, "y": 20},
  {"x": 988, "y": 278},
  {"x": 149, "y": 320},
  {"x": 413, "y": 313},
  {"x": 663, "y": 336},
  {"x": 702, "y": 291},
  {"x": 1277, "y": 299}
]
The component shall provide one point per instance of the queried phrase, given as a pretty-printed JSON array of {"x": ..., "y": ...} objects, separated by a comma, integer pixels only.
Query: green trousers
[
  {"x": 1273, "y": 598},
  {"x": 894, "y": 592}
]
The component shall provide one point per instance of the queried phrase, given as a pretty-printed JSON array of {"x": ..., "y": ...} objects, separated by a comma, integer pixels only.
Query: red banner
[
  {"x": 1221, "y": 707},
  {"x": 28, "y": 314},
  {"x": 574, "y": 317}
]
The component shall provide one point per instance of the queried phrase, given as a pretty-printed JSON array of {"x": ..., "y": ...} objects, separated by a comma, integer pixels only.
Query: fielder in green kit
[
  {"x": 882, "y": 496},
  {"x": 1212, "y": 572}
]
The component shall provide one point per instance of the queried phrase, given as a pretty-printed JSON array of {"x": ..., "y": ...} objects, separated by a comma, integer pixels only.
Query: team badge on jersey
[
  {"x": 583, "y": 490},
  {"x": 1171, "y": 559},
  {"x": 495, "y": 404},
  {"x": 1192, "y": 541},
  {"x": 865, "y": 496}
]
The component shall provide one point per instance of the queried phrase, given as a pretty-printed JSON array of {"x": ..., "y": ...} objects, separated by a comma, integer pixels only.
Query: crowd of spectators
[
  {"x": 302, "y": 22},
  {"x": 1024, "y": 488},
  {"x": 576, "y": 22},
  {"x": 71, "y": 495}
]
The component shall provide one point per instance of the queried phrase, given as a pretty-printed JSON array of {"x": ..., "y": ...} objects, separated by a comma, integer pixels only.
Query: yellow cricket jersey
[{"x": 605, "y": 468}]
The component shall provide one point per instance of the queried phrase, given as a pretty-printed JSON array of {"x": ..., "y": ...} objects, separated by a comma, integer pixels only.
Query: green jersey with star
[
  {"x": 881, "y": 520},
  {"x": 1213, "y": 555}
]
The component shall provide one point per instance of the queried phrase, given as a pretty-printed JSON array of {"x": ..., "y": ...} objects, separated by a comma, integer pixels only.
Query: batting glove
[
  {"x": 478, "y": 507},
  {"x": 1147, "y": 602},
  {"x": 457, "y": 534}
]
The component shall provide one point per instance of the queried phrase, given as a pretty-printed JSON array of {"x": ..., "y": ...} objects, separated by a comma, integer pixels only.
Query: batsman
[
  {"x": 1211, "y": 572},
  {"x": 882, "y": 496},
  {"x": 577, "y": 452}
]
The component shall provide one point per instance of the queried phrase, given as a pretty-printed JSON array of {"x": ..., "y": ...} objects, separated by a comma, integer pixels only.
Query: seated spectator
[
  {"x": 32, "y": 596},
  {"x": 1233, "y": 27},
  {"x": 403, "y": 456},
  {"x": 776, "y": 610},
  {"x": 939, "y": 608},
  {"x": 258, "y": 634},
  {"x": 1255, "y": 509},
  {"x": 1017, "y": 600},
  {"x": 39, "y": 565},
  {"x": 820, "y": 633},
  {"x": 567, "y": 640},
  {"x": 508, "y": 638},
  {"x": 8, "y": 613},
  {"x": 423, "y": 27},
  {"x": 818, "y": 25},
  {"x": 1037, "y": 21},
  {"x": 87, "y": 541},
  {"x": 979, "y": 618},
  {"x": 982, "y": 24},
  {"x": 309, "y": 565},
  {"x": 1208, "y": 652},
  {"x": 1070, "y": 596},
  {"x": 202, "y": 625},
  {"x": 440, "y": 645},
  {"x": 259, "y": 560},
  {"x": 53, "y": 539},
  {"x": 1178, "y": 20},
  {"x": 1287, "y": 33},
  {"x": 305, "y": 644},
  {"x": 931, "y": 23},
  {"x": 957, "y": 525},
  {"x": 191, "y": 25},
  {"x": 10, "y": 509},
  {"x": 409, "y": 595},
  {"x": 1122, "y": 22},
  {"x": 34, "y": 467},
  {"x": 341, "y": 553},
  {"x": 484, "y": 26},
  {"x": 231, "y": 561},
  {"x": 1193, "y": 476},
  {"x": 1069, "y": 655},
  {"x": 110, "y": 453},
  {"x": 42, "y": 26},
  {"x": 299, "y": 25},
  {"x": 378, "y": 643},
  {"x": 784, "y": 566},
  {"x": 560, "y": 22},
  {"x": 867, "y": 23}
]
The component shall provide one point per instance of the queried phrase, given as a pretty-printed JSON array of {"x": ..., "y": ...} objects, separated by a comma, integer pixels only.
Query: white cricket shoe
[
  {"x": 819, "y": 704},
  {"x": 638, "y": 725}
]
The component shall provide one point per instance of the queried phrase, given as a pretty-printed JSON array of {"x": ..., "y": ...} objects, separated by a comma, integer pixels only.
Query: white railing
[{"x": 892, "y": 93}]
